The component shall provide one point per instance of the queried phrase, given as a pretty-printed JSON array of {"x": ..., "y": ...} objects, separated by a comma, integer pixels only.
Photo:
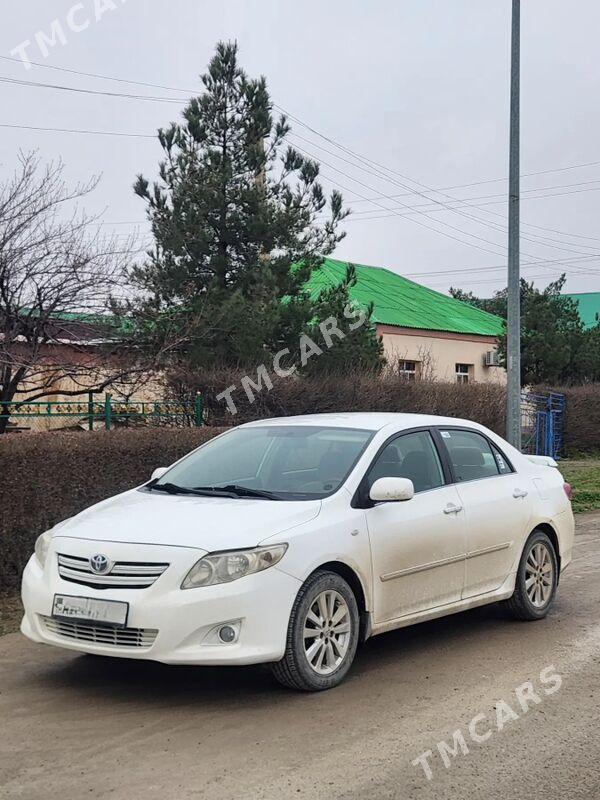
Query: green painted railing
[{"x": 110, "y": 410}]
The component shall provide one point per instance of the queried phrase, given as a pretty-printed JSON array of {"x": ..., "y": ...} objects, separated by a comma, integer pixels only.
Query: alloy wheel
[
  {"x": 327, "y": 632},
  {"x": 539, "y": 575}
]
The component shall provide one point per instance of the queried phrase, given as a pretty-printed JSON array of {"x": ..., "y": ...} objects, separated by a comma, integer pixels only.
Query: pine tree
[
  {"x": 360, "y": 349},
  {"x": 234, "y": 207}
]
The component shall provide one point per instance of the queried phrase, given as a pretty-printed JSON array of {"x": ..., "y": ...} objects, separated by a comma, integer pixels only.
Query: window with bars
[
  {"x": 464, "y": 373},
  {"x": 408, "y": 370}
]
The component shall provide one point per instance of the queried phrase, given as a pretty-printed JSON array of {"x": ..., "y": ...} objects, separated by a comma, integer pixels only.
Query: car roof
[{"x": 371, "y": 420}]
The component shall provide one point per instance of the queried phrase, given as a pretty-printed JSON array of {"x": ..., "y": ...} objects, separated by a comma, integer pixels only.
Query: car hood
[{"x": 206, "y": 523}]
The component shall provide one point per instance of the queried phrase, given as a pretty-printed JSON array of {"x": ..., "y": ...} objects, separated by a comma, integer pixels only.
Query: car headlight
[
  {"x": 226, "y": 567},
  {"x": 42, "y": 545}
]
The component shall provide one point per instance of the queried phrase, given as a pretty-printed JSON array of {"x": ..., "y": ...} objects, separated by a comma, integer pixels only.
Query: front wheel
[
  {"x": 322, "y": 635},
  {"x": 537, "y": 578}
]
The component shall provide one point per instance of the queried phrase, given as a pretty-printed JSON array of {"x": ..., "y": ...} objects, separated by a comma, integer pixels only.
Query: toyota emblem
[{"x": 99, "y": 564}]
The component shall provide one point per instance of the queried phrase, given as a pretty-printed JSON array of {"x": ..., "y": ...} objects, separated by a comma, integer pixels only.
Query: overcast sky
[{"x": 419, "y": 86}]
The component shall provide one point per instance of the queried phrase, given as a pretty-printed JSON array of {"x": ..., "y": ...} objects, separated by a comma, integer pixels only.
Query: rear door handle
[
  {"x": 452, "y": 509},
  {"x": 519, "y": 493}
]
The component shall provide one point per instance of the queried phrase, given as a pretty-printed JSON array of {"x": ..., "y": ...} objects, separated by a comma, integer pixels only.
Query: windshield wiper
[
  {"x": 199, "y": 491},
  {"x": 234, "y": 491},
  {"x": 243, "y": 491}
]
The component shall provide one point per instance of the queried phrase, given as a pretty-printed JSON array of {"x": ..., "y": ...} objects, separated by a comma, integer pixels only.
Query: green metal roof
[
  {"x": 589, "y": 307},
  {"x": 406, "y": 304}
]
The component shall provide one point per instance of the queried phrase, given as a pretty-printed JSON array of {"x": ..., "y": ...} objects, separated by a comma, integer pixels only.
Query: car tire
[
  {"x": 537, "y": 579},
  {"x": 325, "y": 607}
]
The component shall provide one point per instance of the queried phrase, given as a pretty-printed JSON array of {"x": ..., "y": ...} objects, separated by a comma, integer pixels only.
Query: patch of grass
[
  {"x": 11, "y": 612},
  {"x": 584, "y": 477}
]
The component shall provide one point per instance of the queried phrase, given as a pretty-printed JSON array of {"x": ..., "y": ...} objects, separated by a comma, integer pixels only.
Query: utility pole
[{"x": 513, "y": 346}]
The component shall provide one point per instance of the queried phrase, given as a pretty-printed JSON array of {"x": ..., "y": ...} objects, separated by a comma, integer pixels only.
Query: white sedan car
[{"x": 290, "y": 541}]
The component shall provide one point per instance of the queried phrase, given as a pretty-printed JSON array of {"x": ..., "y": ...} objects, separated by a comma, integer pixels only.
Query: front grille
[
  {"x": 98, "y": 634},
  {"x": 121, "y": 575}
]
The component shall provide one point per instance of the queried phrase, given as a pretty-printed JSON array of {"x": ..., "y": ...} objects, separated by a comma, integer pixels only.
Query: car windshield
[{"x": 288, "y": 462}]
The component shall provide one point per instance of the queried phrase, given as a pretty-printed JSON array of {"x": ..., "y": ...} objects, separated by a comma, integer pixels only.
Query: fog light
[{"x": 227, "y": 634}]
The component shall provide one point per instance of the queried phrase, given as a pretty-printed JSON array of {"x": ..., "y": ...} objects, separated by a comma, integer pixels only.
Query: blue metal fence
[{"x": 543, "y": 423}]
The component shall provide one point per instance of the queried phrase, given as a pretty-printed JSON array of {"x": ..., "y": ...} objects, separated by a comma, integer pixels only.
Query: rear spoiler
[{"x": 546, "y": 461}]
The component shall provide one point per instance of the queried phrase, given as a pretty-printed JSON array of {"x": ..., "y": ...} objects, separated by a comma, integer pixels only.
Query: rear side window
[{"x": 472, "y": 456}]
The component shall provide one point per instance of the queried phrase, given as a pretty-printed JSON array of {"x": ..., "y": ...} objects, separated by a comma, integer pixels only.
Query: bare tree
[{"x": 57, "y": 276}]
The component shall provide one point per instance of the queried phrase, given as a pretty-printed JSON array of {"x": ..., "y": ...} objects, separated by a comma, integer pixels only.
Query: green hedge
[{"x": 48, "y": 477}]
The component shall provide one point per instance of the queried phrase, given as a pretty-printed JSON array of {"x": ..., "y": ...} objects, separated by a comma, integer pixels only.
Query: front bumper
[{"x": 187, "y": 621}]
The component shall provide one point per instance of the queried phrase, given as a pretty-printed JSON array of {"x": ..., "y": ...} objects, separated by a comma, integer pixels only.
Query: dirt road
[{"x": 73, "y": 727}]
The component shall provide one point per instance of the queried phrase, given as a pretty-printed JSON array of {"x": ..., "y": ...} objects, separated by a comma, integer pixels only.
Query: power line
[
  {"x": 467, "y": 200},
  {"x": 455, "y": 210},
  {"x": 452, "y": 208},
  {"x": 125, "y": 222},
  {"x": 501, "y": 281},
  {"x": 492, "y": 203},
  {"x": 332, "y": 141},
  {"x": 413, "y": 209},
  {"x": 358, "y": 215},
  {"x": 395, "y": 196},
  {"x": 101, "y": 77},
  {"x": 408, "y": 209},
  {"x": 362, "y": 200},
  {"x": 284, "y": 111},
  {"x": 493, "y": 268},
  {"x": 35, "y": 84},
  {"x": 76, "y": 130},
  {"x": 422, "y": 224},
  {"x": 416, "y": 221},
  {"x": 368, "y": 161}
]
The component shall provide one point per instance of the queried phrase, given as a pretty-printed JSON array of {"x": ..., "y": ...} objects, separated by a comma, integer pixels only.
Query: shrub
[
  {"x": 362, "y": 391},
  {"x": 48, "y": 477},
  {"x": 582, "y": 423}
]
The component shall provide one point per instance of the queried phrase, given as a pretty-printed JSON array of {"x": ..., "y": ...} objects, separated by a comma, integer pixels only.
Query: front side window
[
  {"x": 410, "y": 456},
  {"x": 290, "y": 462},
  {"x": 472, "y": 456}
]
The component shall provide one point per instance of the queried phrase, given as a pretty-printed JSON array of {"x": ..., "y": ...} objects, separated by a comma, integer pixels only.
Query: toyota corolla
[{"x": 291, "y": 541}]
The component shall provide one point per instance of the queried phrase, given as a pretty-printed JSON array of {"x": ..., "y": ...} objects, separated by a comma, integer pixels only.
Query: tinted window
[
  {"x": 411, "y": 456},
  {"x": 471, "y": 455}
]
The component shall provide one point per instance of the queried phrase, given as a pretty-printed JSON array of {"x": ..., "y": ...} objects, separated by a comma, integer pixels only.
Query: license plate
[{"x": 88, "y": 609}]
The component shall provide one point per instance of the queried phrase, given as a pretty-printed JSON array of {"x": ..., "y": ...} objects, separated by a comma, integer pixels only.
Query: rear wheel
[
  {"x": 537, "y": 578},
  {"x": 322, "y": 635}
]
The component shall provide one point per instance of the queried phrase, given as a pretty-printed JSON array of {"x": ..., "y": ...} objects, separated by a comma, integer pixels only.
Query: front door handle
[
  {"x": 452, "y": 509},
  {"x": 519, "y": 493}
]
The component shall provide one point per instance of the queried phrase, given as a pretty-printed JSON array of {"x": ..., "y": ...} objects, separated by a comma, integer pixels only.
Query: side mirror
[
  {"x": 386, "y": 490},
  {"x": 158, "y": 473}
]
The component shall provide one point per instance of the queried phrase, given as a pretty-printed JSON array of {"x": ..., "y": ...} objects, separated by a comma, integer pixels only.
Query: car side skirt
[{"x": 502, "y": 593}]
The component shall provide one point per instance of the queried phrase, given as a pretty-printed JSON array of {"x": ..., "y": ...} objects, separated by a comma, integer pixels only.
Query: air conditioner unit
[{"x": 491, "y": 359}]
